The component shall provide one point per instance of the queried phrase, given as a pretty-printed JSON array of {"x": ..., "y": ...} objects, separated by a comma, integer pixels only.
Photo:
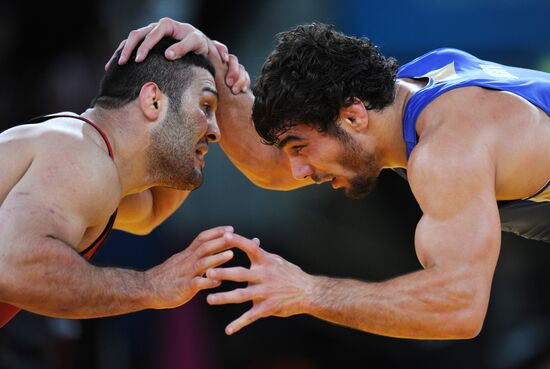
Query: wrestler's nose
[
  {"x": 213, "y": 134},
  {"x": 300, "y": 169}
]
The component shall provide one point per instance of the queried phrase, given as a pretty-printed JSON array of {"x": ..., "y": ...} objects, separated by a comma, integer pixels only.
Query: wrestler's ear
[
  {"x": 150, "y": 101},
  {"x": 354, "y": 115}
]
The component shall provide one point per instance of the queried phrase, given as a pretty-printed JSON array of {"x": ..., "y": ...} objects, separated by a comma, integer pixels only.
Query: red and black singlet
[{"x": 7, "y": 311}]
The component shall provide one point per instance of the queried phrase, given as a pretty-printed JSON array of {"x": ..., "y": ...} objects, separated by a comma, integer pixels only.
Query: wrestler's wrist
[
  {"x": 150, "y": 298},
  {"x": 312, "y": 294}
]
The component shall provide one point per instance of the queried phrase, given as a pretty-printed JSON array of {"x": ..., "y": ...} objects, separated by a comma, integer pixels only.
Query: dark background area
[{"x": 52, "y": 59}]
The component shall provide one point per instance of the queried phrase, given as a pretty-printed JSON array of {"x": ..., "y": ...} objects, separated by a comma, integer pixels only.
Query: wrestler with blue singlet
[
  {"x": 448, "y": 69},
  {"x": 472, "y": 137}
]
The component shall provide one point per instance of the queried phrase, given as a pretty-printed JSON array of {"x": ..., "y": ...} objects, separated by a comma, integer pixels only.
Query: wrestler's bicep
[{"x": 460, "y": 225}]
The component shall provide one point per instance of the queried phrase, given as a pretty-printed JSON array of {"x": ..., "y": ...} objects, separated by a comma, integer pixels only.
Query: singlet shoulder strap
[
  {"x": 44, "y": 118},
  {"x": 90, "y": 251}
]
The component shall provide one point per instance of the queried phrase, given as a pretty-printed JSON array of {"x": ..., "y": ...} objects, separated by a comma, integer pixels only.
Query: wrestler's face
[
  {"x": 180, "y": 142},
  {"x": 331, "y": 157}
]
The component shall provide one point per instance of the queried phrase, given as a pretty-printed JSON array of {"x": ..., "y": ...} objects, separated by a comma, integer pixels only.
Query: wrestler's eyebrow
[
  {"x": 285, "y": 141},
  {"x": 211, "y": 90}
]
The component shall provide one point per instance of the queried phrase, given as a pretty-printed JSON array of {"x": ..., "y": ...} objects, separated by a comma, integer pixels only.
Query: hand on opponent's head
[{"x": 189, "y": 39}]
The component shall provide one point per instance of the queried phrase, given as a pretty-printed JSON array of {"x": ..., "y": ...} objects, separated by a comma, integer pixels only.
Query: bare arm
[
  {"x": 457, "y": 242},
  {"x": 62, "y": 284},
  {"x": 58, "y": 282},
  {"x": 142, "y": 212},
  {"x": 44, "y": 217},
  {"x": 266, "y": 166}
]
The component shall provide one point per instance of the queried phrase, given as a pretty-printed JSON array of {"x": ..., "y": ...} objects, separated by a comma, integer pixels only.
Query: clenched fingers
[{"x": 235, "y": 274}]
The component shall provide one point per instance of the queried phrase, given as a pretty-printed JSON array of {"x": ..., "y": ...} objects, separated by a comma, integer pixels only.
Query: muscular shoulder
[
  {"x": 453, "y": 133},
  {"x": 476, "y": 127},
  {"x": 68, "y": 161},
  {"x": 475, "y": 112},
  {"x": 445, "y": 172}
]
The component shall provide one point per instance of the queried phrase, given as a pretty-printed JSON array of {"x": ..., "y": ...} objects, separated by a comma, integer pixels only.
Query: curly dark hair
[{"x": 312, "y": 73}]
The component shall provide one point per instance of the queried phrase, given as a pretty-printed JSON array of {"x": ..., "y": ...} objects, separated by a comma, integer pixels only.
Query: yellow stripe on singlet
[{"x": 543, "y": 196}]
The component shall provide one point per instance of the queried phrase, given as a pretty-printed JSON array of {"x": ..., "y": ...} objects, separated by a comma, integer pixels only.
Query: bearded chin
[
  {"x": 361, "y": 186},
  {"x": 177, "y": 174},
  {"x": 194, "y": 180},
  {"x": 172, "y": 153},
  {"x": 186, "y": 178}
]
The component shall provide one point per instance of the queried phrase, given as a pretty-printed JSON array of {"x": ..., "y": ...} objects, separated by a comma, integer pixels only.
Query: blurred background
[{"x": 52, "y": 60}]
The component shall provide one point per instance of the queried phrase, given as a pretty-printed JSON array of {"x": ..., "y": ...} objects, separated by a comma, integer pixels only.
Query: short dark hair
[
  {"x": 312, "y": 73},
  {"x": 121, "y": 84}
]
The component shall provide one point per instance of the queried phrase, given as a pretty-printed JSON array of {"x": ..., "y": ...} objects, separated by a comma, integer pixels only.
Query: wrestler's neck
[
  {"x": 130, "y": 142},
  {"x": 388, "y": 123}
]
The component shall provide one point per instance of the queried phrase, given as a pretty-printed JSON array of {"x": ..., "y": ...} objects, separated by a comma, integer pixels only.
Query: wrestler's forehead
[
  {"x": 203, "y": 78},
  {"x": 300, "y": 129},
  {"x": 298, "y": 132}
]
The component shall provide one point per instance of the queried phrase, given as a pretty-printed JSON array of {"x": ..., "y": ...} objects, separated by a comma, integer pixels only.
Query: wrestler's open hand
[
  {"x": 180, "y": 277},
  {"x": 275, "y": 286},
  {"x": 190, "y": 40}
]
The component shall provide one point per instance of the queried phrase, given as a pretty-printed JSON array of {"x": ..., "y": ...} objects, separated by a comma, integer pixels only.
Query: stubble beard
[
  {"x": 357, "y": 159},
  {"x": 361, "y": 186},
  {"x": 172, "y": 153}
]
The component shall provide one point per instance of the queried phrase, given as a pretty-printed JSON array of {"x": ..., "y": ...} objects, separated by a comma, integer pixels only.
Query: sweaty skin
[{"x": 483, "y": 140}]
